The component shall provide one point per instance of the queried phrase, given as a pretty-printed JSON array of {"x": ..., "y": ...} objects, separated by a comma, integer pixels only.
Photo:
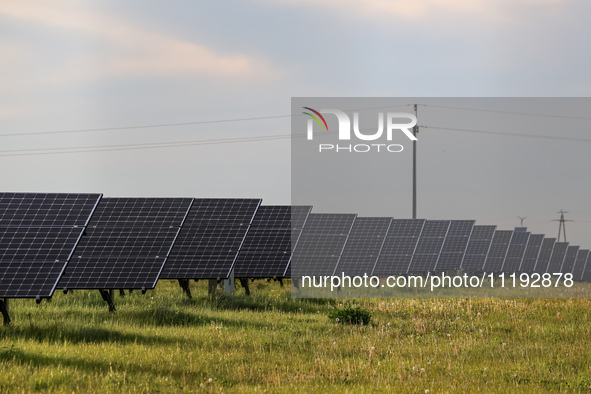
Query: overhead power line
[
  {"x": 509, "y": 112},
  {"x": 147, "y": 126},
  {"x": 547, "y": 137},
  {"x": 175, "y": 144},
  {"x": 154, "y": 145}
]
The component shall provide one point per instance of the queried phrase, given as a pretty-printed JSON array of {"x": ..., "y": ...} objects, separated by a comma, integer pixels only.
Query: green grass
[{"x": 161, "y": 342}]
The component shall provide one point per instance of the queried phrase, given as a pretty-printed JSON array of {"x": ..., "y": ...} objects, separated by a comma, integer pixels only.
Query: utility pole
[
  {"x": 414, "y": 167},
  {"x": 562, "y": 224},
  {"x": 522, "y": 219}
]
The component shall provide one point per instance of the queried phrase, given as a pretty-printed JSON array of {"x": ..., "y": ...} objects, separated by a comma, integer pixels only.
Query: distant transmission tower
[
  {"x": 562, "y": 224},
  {"x": 522, "y": 219}
]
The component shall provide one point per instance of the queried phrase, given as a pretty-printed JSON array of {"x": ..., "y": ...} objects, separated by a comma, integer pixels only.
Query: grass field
[{"x": 161, "y": 342}]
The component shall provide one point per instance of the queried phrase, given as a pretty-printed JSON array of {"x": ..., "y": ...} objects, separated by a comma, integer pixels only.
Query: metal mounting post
[
  {"x": 4, "y": 310},
  {"x": 184, "y": 283},
  {"x": 230, "y": 284},
  {"x": 244, "y": 283},
  {"x": 108, "y": 297}
]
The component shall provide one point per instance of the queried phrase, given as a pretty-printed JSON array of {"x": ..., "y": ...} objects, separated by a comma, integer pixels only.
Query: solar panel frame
[
  {"x": 580, "y": 265},
  {"x": 498, "y": 251},
  {"x": 321, "y": 244},
  {"x": 427, "y": 252},
  {"x": 516, "y": 251},
  {"x": 267, "y": 248},
  {"x": 47, "y": 209},
  {"x": 38, "y": 277},
  {"x": 545, "y": 254},
  {"x": 532, "y": 251},
  {"x": 477, "y": 248},
  {"x": 127, "y": 243},
  {"x": 128, "y": 212},
  {"x": 281, "y": 216},
  {"x": 587, "y": 270},
  {"x": 569, "y": 259},
  {"x": 455, "y": 244},
  {"x": 558, "y": 255},
  {"x": 399, "y": 247},
  {"x": 234, "y": 215},
  {"x": 363, "y": 246},
  {"x": 40, "y": 232}
]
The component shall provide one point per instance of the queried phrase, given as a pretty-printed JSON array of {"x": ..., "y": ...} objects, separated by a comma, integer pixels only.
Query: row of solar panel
[{"x": 84, "y": 241}]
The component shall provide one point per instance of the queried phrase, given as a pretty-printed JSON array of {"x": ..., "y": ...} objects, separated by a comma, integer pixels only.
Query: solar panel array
[
  {"x": 38, "y": 233},
  {"x": 126, "y": 243},
  {"x": 267, "y": 248},
  {"x": 85, "y": 241}
]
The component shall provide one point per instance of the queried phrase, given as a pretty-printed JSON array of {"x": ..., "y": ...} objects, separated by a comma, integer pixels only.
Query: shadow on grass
[
  {"x": 60, "y": 333},
  {"x": 108, "y": 368}
]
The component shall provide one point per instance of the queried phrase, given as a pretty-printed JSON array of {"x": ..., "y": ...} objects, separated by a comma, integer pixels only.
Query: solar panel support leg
[
  {"x": 244, "y": 283},
  {"x": 4, "y": 310},
  {"x": 184, "y": 283},
  {"x": 230, "y": 284},
  {"x": 295, "y": 283},
  {"x": 121, "y": 293},
  {"x": 280, "y": 282},
  {"x": 211, "y": 286},
  {"x": 108, "y": 297}
]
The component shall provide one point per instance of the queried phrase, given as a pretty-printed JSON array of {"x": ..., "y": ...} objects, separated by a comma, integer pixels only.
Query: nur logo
[{"x": 393, "y": 123}]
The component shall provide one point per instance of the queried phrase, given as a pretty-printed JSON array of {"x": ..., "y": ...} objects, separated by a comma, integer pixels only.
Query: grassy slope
[{"x": 162, "y": 342}]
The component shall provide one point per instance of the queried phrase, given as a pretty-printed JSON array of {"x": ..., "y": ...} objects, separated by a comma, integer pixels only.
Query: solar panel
[
  {"x": 210, "y": 239},
  {"x": 46, "y": 209},
  {"x": 38, "y": 232},
  {"x": 498, "y": 251},
  {"x": 516, "y": 251},
  {"x": 569, "y": 260},
  {"x": 587, "y": 270},
  {"x": 116, "y": 212},
  {"x": 126, "y": 243},
  {"x": 321, "y": 244},
  {"x": 399, "y": 246},
  {"x": 429, "y": 246},
  {"x": 281, "y": 216},
  {"x": 363, "y": 246},
  {"x": 557, "y": 258},
  {"x": 38, "y": 243},
  {"x": 455, "y": 245},
  {"x": 580, "y": 265},
  {"x": 267, "y": 248},
  {"x": 532, "y": 250},
  {"x": 33, "y": 259},
  {"x": 545, "y": 254},
  {"x": 477, "y": 248},
  {"x": 224, "y": 212}
]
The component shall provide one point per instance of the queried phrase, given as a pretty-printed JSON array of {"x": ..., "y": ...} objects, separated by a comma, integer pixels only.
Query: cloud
[{"x": 117, "y": 48}]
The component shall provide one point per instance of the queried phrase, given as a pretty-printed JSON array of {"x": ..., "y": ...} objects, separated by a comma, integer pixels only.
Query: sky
[{"x": 77, "y": 77}]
